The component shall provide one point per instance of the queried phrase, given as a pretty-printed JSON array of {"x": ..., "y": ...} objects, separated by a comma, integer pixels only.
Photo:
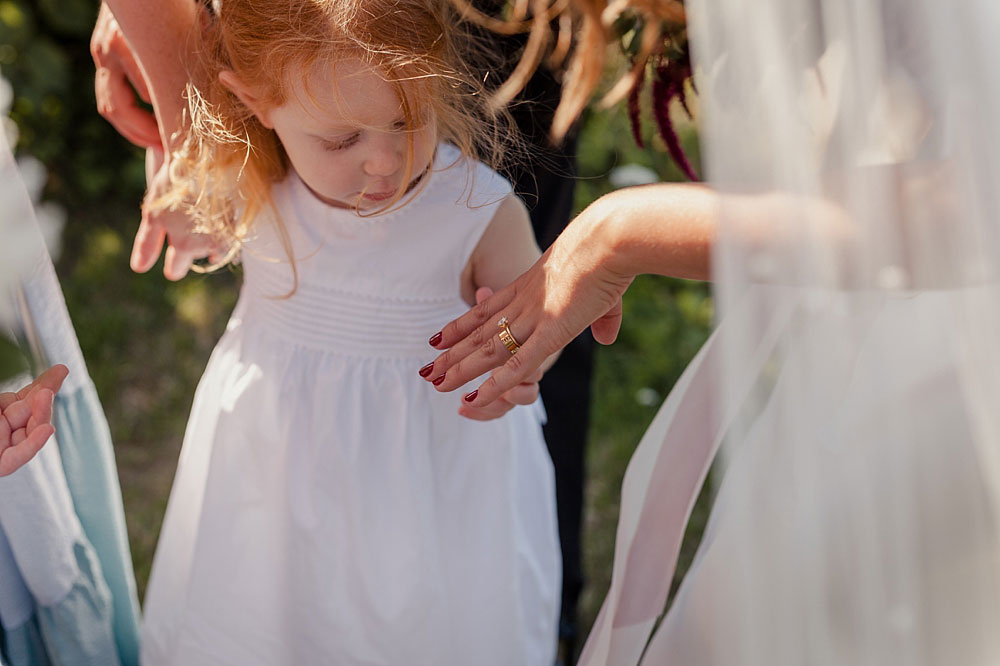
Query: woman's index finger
[{"x": 458, "y": 329}]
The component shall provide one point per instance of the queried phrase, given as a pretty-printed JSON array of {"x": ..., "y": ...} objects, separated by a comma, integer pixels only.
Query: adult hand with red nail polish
[
  {"x": 667, "y": 229},
  {"x": 26, "y": 419},
  {"x": 546, "y": 308},
  {"x": 524, "y": 393}
]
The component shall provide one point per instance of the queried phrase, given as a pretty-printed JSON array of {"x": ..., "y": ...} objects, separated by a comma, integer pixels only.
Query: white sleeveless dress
[{"x": 330, "y": 507}]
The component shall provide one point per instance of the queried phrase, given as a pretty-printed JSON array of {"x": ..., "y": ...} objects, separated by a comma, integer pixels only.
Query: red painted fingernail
[
  {"x": 436, "y": 339},
  {"x": 437, "y": 380},
  {"x": 426, "y": 370},
  {"x": 469, "y": 397}
]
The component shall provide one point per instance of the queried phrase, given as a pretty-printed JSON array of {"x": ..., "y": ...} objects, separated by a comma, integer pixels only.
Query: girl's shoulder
[{"x": 463, "y": 179}]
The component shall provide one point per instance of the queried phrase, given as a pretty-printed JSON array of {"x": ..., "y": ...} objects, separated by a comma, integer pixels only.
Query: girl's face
[{"x": 345, "y": 134}]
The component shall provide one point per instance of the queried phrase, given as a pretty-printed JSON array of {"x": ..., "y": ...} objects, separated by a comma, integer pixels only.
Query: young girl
[{"x": 329, "y": 507}]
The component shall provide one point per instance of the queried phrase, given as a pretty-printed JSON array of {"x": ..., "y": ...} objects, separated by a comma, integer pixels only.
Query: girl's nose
[{"x": 387, "y": 155}]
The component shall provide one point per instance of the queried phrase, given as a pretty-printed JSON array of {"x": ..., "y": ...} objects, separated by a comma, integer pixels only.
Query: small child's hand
[{"x": 26, "y": 419}]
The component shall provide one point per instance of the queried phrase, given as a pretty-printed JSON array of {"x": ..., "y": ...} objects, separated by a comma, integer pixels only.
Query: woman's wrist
[
  {"x": 607, "y": 235},
  {"x": 663, "y": 229}
]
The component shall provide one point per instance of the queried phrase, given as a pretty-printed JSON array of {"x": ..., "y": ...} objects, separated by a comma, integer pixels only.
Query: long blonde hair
[{"x": 223, "y": 172}]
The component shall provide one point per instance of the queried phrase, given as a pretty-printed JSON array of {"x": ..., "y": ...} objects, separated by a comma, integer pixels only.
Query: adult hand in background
[
  {"x": 26, "y": 419},
  {"x": 118, "y": 103},
  {"x": 117, "y": 68},
  {"x": 175, "y": 228},
  {"x": 523, "y": 393}
]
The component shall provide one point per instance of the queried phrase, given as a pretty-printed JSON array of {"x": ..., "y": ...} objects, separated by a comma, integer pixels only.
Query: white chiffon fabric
[
  {"x": 854, "y": 377},
  {"x": 329, "y": 506}
]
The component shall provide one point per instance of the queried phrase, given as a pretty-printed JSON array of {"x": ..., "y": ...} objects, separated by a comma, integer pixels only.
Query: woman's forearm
[{"x": 665, "y": 229}]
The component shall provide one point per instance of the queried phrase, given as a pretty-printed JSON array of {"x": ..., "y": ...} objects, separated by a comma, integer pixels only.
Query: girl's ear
[{"x": 247, "y": 95}]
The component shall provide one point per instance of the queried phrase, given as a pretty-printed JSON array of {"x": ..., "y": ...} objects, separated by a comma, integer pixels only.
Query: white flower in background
[
  {"x": 647, "y": 396},
  {"x": 51, "y": 216},
  {"x": 21, "y": 185},
  {"x": 627, "y": 175}
]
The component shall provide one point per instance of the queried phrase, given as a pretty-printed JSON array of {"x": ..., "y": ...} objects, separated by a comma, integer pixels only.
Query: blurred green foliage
[{"x": 11, "y": 360}]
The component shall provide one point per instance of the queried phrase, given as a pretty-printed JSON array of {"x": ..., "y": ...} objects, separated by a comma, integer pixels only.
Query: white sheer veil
[{"x": 855, "y": 374}]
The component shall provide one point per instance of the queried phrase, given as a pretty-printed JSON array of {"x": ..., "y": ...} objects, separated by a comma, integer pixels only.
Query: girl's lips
[{"x": 379, "y": 196}]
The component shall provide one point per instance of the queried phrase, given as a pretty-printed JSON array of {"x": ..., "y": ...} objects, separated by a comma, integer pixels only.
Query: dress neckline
[{"x": 446, "y": 156}]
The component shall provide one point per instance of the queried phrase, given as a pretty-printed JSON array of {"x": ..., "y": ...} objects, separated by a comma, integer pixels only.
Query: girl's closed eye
[{"x": 341, "y": 144}]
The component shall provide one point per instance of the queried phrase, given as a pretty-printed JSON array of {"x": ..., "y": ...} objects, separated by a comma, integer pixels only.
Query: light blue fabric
[
  {"x": 68, "y": 593},
  {"x": 88, "y": 459},
  {"x": 23, "y": 645},
  {"x": 78, "y": 629},
  {"x": 75, "y": 631}
]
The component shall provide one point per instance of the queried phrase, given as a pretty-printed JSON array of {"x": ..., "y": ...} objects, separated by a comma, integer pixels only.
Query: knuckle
[
  {"x": 481, "y": 310},
  {"x": 477, "y": 338},
  {"x": 515, "y": 364},
  {"x": 489, "y": 346}
]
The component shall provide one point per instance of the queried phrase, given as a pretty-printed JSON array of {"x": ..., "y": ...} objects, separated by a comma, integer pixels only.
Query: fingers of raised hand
[
  {"x": 22, "y": 447},
  {"x": 494, "y": 410},
  {"x": 52, "y": 379},
  {"x": 25, "y": 427},
  {"x": 520, "y": 368},
  {"x": 484, "y": 313},
  {"x": 41, "y": 409},
  {"x": 477, "y": 353},
  {"x": 606, "y": 327},
  {"x": 174, "y": 228},
  {"x": 176, "y": 263},
  {"x": 116, "y": 67},
  {"x": 17, "y": 414},
  {"x": 149, "y": 239},
  {"x": 471, "y": 341},
  {"x": 116, "y": 102},
  {"x": 29, "y": 411},
  {"x": 524, "y": 393}
]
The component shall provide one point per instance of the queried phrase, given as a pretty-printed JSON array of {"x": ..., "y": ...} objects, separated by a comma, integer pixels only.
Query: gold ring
[{"x": 506, "y": 337}]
